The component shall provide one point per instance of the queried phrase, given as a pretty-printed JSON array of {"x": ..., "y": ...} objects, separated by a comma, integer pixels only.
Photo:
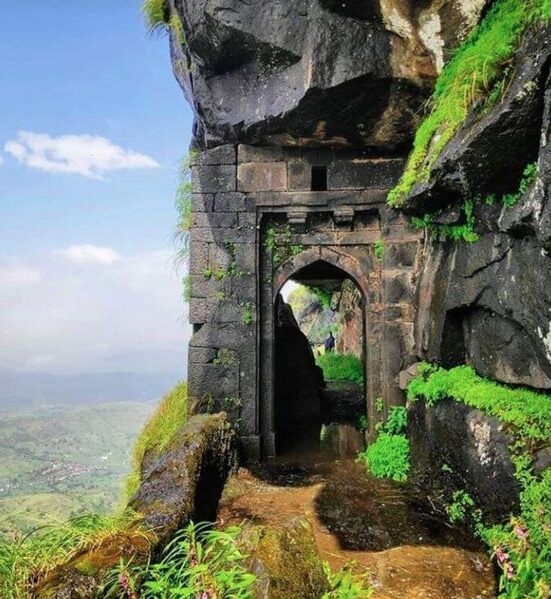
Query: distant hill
[{"x": 28, "y": 390}]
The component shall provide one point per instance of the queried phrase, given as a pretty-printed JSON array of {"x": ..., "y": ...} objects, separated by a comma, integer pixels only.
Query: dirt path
[{"x": 410, "y": 553}]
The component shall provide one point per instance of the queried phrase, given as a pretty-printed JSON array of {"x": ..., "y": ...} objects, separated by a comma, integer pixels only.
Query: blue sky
[{"x": 86, "y": 191}]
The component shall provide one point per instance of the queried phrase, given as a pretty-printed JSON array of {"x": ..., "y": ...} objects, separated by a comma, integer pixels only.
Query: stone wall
[{"x": 241, "y": 195}]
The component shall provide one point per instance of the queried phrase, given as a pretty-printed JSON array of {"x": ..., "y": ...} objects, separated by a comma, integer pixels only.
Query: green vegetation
[
  {"x": 247, "y": 315},
  {"x": 62, "y": 462},
  {"x": 388, "y": 456},
  {"x": 158, "y": 433},
  {"x": 198, "y": 562},
  {"x": 25, "y": 560},
  {"x": 527, "y": 411},
  {"x": 341, "y": 367},
  {"x": 182, "y": 203},
  {"x": 528, "y": 177},
  {"x": 475, "y": 72},
  {"x": 232, "y": 272},
  {"x": 346, "y": 584},
  {"x": 159, "y": 20},
  {"x": 322, "y": 295},
  {"x": 462, "y": 503},
  {"x": 379, "y": 249},
  {"x": 464, "y": 232},
  {"x": 522, "y": 546},
  {"x": 278, "y": 241},
  {"x": 156, "y": 14}
]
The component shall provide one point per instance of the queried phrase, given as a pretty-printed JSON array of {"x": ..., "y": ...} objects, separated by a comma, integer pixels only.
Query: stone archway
[{"x": 301, "y": 400}]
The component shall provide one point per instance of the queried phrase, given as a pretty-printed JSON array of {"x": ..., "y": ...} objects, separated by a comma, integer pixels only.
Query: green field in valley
[{"x": 56, "y": 463}]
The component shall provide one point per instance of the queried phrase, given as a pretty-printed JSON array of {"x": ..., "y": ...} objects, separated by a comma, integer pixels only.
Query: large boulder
[
  {"x": 289, "y": 72},
  {"x": 456, "y": 447},
  {"x": 185, "y": 482}
]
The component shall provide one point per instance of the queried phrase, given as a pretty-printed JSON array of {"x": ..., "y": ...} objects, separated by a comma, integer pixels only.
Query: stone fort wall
[{"x": 259, "y": 214}]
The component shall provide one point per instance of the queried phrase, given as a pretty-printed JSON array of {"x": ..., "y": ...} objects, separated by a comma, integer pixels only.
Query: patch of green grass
[
  {"x": 473, "y": 73},
  {"x": 522, "y": 546},
  {"x": 158, "y": 433},
  {"x": 25, "y": 560},
  {"x": 529, "y": 412},
  {"x": 341, "y": 367}
]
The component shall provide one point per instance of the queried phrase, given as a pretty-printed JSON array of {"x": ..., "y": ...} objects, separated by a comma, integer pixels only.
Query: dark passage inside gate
[{"x": 319, "y": 362}]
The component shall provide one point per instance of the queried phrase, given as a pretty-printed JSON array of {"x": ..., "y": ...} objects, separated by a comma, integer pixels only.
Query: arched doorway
[{"x": 319, "y": 360}]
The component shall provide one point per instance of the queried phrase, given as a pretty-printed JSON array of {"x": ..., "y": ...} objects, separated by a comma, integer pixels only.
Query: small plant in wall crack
[
  {"x": 379, "y": 249},
  {"x": 278, "y": 241},
  {"x": 247, "y": 313}
]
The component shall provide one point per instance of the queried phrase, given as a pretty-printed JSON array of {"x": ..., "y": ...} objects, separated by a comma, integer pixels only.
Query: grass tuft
[
  {"x": 156, "y": 15},
  {"x": 25, "y": 561},
  {"x": 158, "y": 433}
]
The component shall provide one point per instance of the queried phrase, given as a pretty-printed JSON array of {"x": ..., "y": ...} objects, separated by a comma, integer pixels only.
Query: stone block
[
  {"x": 212, "y": 179},
  {"x": 247, "y": 153},
  {"x": 221, "y": 155},
  {"x": 230, "y": 202},
  {"x": 300, "y": 175},
  {"x": 262, "y": 176},
  {"x": 202, "y": 202},
  {"x": 198, "y": 257},
  {"x": 246, "y": 219},
  {"x": 203, "y": 287},
  {"x": 197, "y": 310},
  {"x": 400, "y": 255},
  {"x": 201, "y": 355},
  {"x": 214, "y": 220},
  {"x": 245, "y": 257},
  {"x": 213, "y": 380},
  {"x": 210, "y": 235},
  {"x": 219, "y": 257},
  {"x": 362, "y": 173},
  {"x": 397, "y": 288},
  {"x": 228, "y": 335},
  {"x": 224, "y": 311}
]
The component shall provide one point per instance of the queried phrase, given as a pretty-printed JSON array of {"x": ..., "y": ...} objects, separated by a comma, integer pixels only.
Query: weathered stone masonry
[{"x": 239, "y": 192}]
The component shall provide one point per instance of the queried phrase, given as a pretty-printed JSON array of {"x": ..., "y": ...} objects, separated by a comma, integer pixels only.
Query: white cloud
[
  {"x": 87, "y": 155},
  {"x": 17, "y": 275},
  {"x": 89, "y": 254},
  {"x": 128, "y": 317},
  {"x": 1, "y": 161}
]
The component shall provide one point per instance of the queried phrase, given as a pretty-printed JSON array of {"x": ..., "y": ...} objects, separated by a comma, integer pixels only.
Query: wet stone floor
[{"x": 379, "y": 525}]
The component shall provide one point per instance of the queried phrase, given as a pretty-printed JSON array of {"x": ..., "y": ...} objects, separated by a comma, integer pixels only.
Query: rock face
[
  {"x": 186, "y": 481},
  {"x": 285, "y": 561},
  {"x": 298, "y": 381},
  {"x": 351, "y": 321},
  {"x": 313, "y": 72},
  {"x": 489, "y": 303},
  {"x": 456, "y": 447}
]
